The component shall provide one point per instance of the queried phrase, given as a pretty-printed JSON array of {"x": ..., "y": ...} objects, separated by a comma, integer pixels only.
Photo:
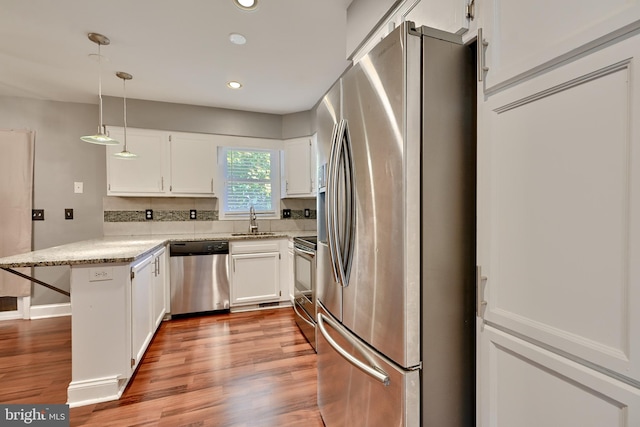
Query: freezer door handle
[{"x": 373, "y": 370}]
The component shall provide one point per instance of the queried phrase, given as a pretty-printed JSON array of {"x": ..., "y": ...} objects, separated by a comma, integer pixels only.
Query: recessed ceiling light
[
  {"x": 236, "y": 38},
  {"x": 234, "y": 85},
  {"x": 246, "y": 4}
]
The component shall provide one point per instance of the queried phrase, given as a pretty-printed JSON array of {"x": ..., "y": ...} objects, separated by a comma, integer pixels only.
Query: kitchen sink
[{"x": 258, "y": 233}]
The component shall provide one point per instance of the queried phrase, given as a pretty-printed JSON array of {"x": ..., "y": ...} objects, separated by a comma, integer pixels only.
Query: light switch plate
[{"x": 68, "y": 214}]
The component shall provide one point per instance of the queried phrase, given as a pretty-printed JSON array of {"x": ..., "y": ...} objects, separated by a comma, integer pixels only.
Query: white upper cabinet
[
  {"x": 146, "y": 174},
  {"x": 525, "y": 37},
  {"x": 169, "y": 164},
  {"x": 299, "y": 168},
  {"x": 193, "y": 164}
]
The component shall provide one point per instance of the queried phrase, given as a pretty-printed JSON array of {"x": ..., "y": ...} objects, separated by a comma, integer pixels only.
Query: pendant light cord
[
  {"x": 100, "y": 87},
  {"x": 124, "y": 91}
]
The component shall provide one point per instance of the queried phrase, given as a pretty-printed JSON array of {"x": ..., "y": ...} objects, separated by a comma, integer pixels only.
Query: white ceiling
[{"x": 177, "y": 51}]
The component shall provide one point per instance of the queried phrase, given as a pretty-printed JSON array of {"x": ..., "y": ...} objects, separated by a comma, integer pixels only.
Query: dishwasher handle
[{"x": 193, "y": 248}]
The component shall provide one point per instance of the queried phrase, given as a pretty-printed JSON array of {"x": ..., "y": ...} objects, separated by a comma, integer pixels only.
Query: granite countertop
[{"x": 121, "y": 249}]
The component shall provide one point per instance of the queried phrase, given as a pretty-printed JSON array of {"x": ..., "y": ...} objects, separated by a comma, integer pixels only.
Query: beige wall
[
  {"x": 60, "y": 160},
  {"x": 362, "y": 17},
  {"x": 193, "y": 118}
]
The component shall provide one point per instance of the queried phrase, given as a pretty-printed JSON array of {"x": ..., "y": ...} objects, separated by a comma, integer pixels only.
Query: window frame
[{"x": 274, "y": 175}]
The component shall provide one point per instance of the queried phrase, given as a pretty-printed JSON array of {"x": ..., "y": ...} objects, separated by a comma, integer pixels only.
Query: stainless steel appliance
[
  {"x": 396, "y": 230},
  {"x": 304, "y": 272},
  {"x": 199, "y": 279}
]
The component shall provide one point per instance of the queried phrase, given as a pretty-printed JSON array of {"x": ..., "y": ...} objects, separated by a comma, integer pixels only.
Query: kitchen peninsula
[{"x": 119, "y": 296}]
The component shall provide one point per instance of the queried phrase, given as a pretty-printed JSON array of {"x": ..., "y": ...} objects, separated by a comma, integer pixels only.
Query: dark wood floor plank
[{"x": 240, "y": 369}]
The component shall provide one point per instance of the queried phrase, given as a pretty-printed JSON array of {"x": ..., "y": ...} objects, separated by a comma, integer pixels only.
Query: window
[{"x": 250, "y": 179}]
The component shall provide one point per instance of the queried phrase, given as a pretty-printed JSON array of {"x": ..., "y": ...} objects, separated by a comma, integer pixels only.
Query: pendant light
[
  {"x": 101, "y": 137},
  {"x": 125, "y": 154}
]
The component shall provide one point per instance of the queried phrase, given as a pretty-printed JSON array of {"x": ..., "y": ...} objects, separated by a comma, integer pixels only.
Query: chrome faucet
[{"x": 253, "y": 225}]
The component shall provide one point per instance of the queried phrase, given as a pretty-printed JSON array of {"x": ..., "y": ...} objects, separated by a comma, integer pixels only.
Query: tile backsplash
[{"x": 125, "y": 216}]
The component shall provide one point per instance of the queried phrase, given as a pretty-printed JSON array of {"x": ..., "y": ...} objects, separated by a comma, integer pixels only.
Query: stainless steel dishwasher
[{"x": 199, "y": 278}]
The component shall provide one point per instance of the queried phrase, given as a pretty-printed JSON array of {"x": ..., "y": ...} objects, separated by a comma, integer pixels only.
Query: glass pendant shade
[
  {"x": 125, "y": 154},
  {"x": 101, "y": 137}
]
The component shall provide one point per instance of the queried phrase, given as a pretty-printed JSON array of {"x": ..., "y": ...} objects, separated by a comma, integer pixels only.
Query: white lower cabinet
[
  {"x": 255, "y": 272},
  {"x": 290, "y": 271},
  {"x": 142, "y": 322},
  {"x": 115, "y": 310},
  {"x": 528, "y": 386},
  {"x": 159, "y": 280}
]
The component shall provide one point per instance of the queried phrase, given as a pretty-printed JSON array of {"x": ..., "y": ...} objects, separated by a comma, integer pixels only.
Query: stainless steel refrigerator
[{"x": 396, "y": 232}]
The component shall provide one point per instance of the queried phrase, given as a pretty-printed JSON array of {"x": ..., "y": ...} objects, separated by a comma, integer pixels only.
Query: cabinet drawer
[{"x": 249, "y": 247}]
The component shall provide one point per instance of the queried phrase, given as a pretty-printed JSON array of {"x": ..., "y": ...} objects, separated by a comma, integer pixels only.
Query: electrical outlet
[
  {"x": 286, "y": 213},
  {"x": 193, "y": 214},
  {"x": 68, "y": 214},
  {"x": 37, "y": 214},
  {"x": 307, "y": 213},
  {"x": 100, "y": 273},
  {"x": 148, "y": 214}
]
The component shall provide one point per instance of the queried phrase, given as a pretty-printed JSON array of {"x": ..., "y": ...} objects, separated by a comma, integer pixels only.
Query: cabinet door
[
  {"x": 193, "y": 165},
  {"x": 528, "y": 36},
  {"x": 256, "y": 278},
  {"x": 143, "y": 175},
  {"x": 527, "y": 386},
  {"x": 159, "y": 286},
  {"x": 558, "y": 236},
  {"x": 297, "y": 167},
  {"x": 290, "y": 272},
  {"x": 558, "y": 241},
  {"x": 141, "y": 308}
]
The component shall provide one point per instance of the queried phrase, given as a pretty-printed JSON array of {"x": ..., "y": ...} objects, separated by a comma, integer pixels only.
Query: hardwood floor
[{"x": 241, "y": 369}]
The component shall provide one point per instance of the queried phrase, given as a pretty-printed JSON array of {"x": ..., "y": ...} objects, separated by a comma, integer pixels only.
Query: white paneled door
[{"x": 559, "y": 236}]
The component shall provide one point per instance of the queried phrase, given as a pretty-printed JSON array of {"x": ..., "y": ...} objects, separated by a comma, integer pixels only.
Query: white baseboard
[
  {"x": 263, "y": 306},
  {"x": 50, "y": 310},
  {"x": 97, "y": 390},
  {"x": 10, "y": 315}
]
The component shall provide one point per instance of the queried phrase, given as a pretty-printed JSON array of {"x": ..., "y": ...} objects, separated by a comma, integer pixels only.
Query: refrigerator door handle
[
  {"x": 373, "y": 371},
  {"x": 350, "y": 186},
  {"x": 338, "y": 239},
  {"x": 342, "y": 248},
  {"x": 331, "y": 202}
]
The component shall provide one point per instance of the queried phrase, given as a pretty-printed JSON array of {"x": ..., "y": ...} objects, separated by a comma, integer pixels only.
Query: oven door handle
[
  {"x": 303, "y": 251},
  {"x": 304, "y": 318}
]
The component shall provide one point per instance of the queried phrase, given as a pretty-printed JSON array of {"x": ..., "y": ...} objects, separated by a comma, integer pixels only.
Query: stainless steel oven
[{"x": 304, "y": 268}]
